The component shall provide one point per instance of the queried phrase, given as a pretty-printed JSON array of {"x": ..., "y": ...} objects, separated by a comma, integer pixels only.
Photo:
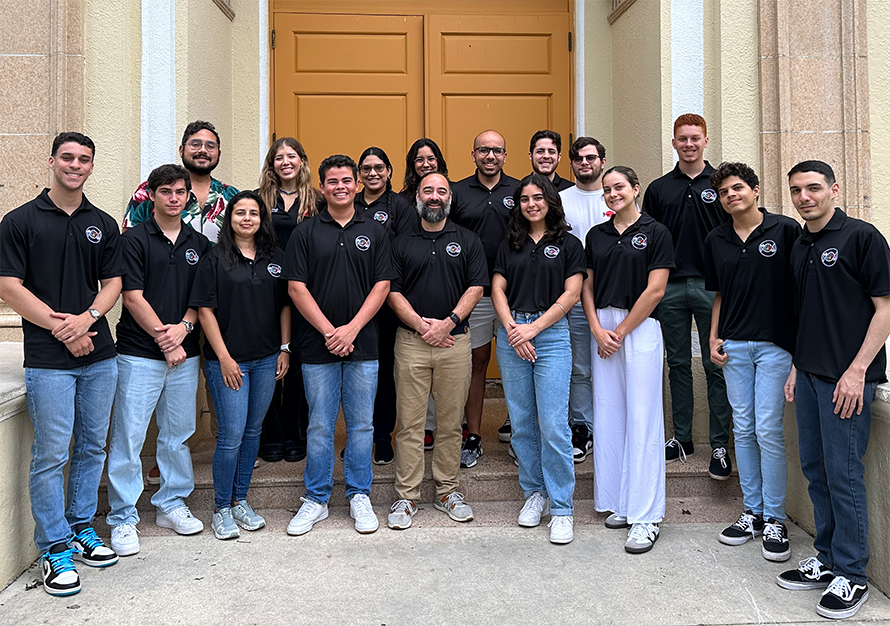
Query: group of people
[{"x": 385, "y": 304}]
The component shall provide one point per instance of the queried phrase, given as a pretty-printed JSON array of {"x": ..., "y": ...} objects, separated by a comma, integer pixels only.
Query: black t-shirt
[
  {"x": 164, "y": 272},
  {"x": 754, "y": 280},
  {"x": 484, "y": 211},
  {"x": 434, "y": 269},
  {"x": 391, "y": 210},
  {"x": 248, "y": 299},
  {"x": 621, "y": 262},
  {"x": 690, "y": 210},
  {"x": 837, "y": 272},
  {"x": 340, "y": 266},
  {"x": 537, "y": 274},
  {"x": 284, "y": 222},
  {"x": 61, "y": 259}
]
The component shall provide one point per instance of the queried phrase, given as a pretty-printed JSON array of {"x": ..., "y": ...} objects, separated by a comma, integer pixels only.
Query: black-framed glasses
[
  {"x": 486, "y": 150},
  {"x": 590, "y": 158}
]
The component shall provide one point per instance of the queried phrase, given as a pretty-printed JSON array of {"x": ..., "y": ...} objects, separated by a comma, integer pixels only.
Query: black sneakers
[
  {"x": 383, "y": 452},
  {"x": 505, "y": 431},
  {"x": 674, "y": 450},
  {"x": 720, "y": 467},
  {"x": 582, "y": 442},
  {"x": 747, "y": 527},
  {"x": 775, "y": 541},
  {"x": 429, "y": 440},
  {"x": 808, "y": 575},
  {"x": 842, "y": 599}
]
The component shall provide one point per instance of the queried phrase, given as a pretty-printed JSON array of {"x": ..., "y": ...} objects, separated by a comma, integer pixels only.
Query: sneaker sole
[
  {"x": 544, "y": 514},
  {"x": 82, "y": 559},
  {"x": 445, "y": 510},
  {"x": 300, "y": 531},
  {"x": 251, "y": 527},
  {"x": 384, "y": 462},
  {"x": 776, "y": 557},
  {"x": 561, "y": 542},
  {"x": 394, "y": 526},
  {"x": 800, "y": 586},
  {"x": 736, "y": 541},
  {"x": 616, "y": 526},
  {"x": 580, "y": 459},
  {"x": 126, "y": 551},
  {"x": 718, "y": 477},
  {"x": 61, "y": 592},
  {"x": 228, "y": 536},
  {"x": 428, "y": 448},
  {"x": 641, "y": 549},
  {"x": 367, "y": 531},
  {"x": 844, "y": 613},
  {"x": 504, "y": 437},
  {"x": 164, "y": 523}
]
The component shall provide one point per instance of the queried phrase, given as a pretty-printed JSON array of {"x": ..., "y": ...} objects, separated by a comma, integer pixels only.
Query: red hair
[{"x": 691, "y": 119}]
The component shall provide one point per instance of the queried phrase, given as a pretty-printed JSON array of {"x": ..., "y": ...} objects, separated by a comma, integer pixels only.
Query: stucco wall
[
  {"x": 878, "y": 16},
  {"x": 598, "y": 76},
  {"x": 247, "y": 131}
]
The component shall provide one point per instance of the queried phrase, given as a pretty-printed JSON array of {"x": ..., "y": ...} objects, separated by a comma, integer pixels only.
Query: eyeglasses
[
  {"x": 195, "y": 144},
  {"x": 380, "y": 168},
  {"x": 586, "y": 157},
  {"x": 430, "y": 159},
  {"x": 486, "y": 150}
]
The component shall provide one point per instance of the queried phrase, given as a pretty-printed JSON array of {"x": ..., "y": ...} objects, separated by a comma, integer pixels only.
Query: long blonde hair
[{"x": 270, "y": 183}]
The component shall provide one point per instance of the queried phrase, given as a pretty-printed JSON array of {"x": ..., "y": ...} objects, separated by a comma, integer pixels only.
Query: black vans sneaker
[
  {"x": 842, "y": 599},
  {"x": 808, "y": 575},
  {"x": 677, "y": 450},
  {"x": 720, "y": 467},
  {"x": 775, "y": 541},
  {"x": 747, "y": 527}
]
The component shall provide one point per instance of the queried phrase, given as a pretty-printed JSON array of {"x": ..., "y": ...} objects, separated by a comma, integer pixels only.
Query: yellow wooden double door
[{"x": 349, "y": 75}]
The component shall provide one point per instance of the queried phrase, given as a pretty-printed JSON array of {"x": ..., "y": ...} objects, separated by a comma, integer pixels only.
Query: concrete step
[{"x": 493, "y": 480}]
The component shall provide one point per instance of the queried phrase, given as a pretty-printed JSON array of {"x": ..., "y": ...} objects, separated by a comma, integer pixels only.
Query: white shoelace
[
  {"x": 181, "y": 512},
  {"x": 401, "y": 505},
  {"x": 124, "y": 531},
  {"x": 535, "y": 502},
  {"x": 561, "y": 520},
  {"x": 642, "y": 530},
  {"x": 745, "y": 523},
  {"x": 362, "y": 505},
  {"x": 773, "y": 532},
  {"x": 673, "y": 442},
  {"x": 455, "y": 498},
  {"x": 840, "y": 587},
  {"x": 308, "y": 511},
  {"x": 811, "y": 566},
  {"x": 719, "y": 454}
]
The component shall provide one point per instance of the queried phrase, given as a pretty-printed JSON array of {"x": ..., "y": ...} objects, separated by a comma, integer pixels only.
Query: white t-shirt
[{"x": 584, "y": 210}]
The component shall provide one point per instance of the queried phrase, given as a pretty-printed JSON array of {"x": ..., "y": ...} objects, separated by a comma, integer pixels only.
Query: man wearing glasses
[
  {"x": 584, "y": 208},
  {"x": 206, "y": 205},
  {"x": 482, "y": 203}
]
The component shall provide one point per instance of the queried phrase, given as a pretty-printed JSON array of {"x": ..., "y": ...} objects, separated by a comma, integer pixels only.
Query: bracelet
[{"x": 560, "y": 306}]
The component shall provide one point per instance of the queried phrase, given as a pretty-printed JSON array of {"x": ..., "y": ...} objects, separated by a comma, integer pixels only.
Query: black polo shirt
[
  {"x": 248, "y": 299},
  {"x": 61, "y": 259},
  {"x": 837, "y": 271},
  {"x": 621, "y": 262},
  {"x": 559, "y": 183},
  {"x": 536, "y": 275},
  {"x": 284, "y": 222},
  {"x": 340, "y": 266},
  {"x": 754, "y": 280},
  {"x": 690, "y": 210},
  {"x": 434, "y": 269},
  {"x": 164, "y": 271},
  {"x": 391, "y": 210},
  {"x": 484, "y": 211}
]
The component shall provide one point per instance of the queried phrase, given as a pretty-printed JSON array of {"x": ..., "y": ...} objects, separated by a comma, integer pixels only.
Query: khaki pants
[{"x": 420, "y": 371}]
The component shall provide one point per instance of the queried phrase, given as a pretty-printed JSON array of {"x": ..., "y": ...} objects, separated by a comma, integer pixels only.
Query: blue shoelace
[
  {"x": 89, "y": 538},
  {"x": 61, "y": 561}
]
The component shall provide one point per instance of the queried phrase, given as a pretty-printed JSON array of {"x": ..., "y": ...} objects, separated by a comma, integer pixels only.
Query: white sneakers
[
  {"x": 306, "y": 517},
  {"x": 535, "y": 506},
  {"x": 562, "y": 529},
  {"x": 180, "y": 520},
  {"x": 124, "y": 539},
  {"x": 362, "y": 512}
]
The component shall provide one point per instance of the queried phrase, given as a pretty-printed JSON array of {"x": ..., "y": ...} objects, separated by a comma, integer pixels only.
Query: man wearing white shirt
[{"x": 584, "y": 208}]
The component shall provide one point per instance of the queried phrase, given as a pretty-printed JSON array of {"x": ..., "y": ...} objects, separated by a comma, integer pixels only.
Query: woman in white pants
[{"x": 628, "y": 260}]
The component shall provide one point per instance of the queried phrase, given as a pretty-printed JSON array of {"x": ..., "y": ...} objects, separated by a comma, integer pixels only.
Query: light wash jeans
[
  {"x": 62, "y": 404},
  {"x": 831, "y": 451},
  {"x": 143, "y": 386},
  {"x": 581, "y": 390},
  {"x": 537, "y": 396},
  {"x": 755, "y": 380},
  {"x": 352, "y": 384},
  {"x": 240, "y": 414}
]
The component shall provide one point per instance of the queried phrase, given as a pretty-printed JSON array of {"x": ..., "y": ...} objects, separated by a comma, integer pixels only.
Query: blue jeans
[
  {"x": 146, "y": 385},
  {"x": 755, "y": 379},
  {"x": 537, "y": 396},
  {"x": 352, "y": 384},
  {"x": 831, "y": 451},
  {"x": 581, "y": 390},
  {"x": 240, "y": 415},
  {"x": 62, "y": 404}
]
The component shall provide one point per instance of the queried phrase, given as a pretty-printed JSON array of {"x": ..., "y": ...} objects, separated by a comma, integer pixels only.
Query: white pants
[{"x": 628, "y": 422}]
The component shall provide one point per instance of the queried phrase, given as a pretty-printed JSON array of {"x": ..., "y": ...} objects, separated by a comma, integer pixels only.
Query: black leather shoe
[
  {"x": 293, "y": 452},
  {"x": 272, "y": 452}
]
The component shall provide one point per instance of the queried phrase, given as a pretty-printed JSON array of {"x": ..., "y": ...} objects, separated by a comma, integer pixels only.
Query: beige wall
[
  {"x": 878, "y": 16},
  {"x": 598, "y": 75},
  {"x": 17, "y": 539}
]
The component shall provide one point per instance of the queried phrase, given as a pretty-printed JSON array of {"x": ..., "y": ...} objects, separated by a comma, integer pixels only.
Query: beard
[
  {"x": 433, "y": 214},
  {"x": 201, "y": 170},
  {"x": 586, "y": 179}
]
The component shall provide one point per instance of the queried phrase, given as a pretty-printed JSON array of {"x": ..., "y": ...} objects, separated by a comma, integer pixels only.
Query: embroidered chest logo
[
  {"x": 768, "y": 248},
  {"x": 362, "y": 243},
  {"x": 94, "y": 235},
  {"x": 709, "y": 195},
  {"x": 381, "y": 216},
  {"x": 829, "y": 257},
  {"x": 453, "y": 249},
  {"x": 639, "y": 241},
  {"x": 274, "y": 269},
  {"x": 191, "y": 256},
  {"x": 508, "y": 202},
  {"x": 551, "y": 252}
]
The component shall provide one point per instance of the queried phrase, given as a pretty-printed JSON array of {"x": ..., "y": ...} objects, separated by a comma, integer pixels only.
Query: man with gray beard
[{"x": 441, "y": 272}]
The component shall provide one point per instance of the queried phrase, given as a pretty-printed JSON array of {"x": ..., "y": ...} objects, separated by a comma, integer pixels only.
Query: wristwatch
[
  {"x": 189, "y": 327},
  {"x": 454, "y": 318},
  {"x": 285, "y": 347},
  {"x": 95, "y": 314}
]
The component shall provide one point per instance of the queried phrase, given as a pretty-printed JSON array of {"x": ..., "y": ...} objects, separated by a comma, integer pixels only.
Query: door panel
[{"x": 346, "y": 82}]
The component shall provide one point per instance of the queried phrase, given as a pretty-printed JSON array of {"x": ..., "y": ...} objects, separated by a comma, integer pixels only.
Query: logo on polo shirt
[
  {"x": 192, "y": 256},
  {"x": 94, "y": 235},
  {"x": 362, "y": 242},
  {"x": 274, "y": 269},
  {"x": 709, "y": 195},
  {"x": 768, "y": 248},
  {"x": 829, "y": 257},
  {"x": 453, "y": 249},
  {"x": 508, "y": 202},
  {"x": 551, "y": 252},
  {"x": 381, "y": 216},
  {"x": 639, "y": 241}
]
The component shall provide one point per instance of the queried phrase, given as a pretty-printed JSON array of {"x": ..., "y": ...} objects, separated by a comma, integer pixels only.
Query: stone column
[{"x": 814, "y": 97}]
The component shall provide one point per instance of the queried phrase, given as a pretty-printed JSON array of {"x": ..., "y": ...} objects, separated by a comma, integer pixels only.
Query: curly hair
[
  {"x": 727, "y": 169},
  {"x": 555, "y": 220}
]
